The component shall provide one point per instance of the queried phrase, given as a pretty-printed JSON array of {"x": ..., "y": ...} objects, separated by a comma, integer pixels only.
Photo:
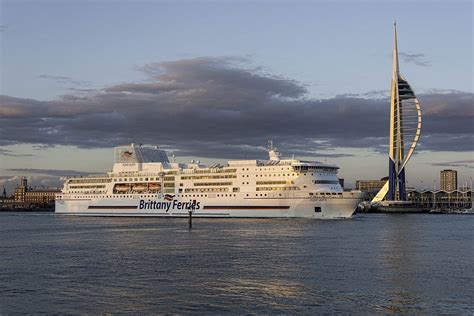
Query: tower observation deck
[{"x": 405, "y": 129}]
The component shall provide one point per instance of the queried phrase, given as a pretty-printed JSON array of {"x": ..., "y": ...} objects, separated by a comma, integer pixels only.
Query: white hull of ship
[{"x": 329, "y": 208}]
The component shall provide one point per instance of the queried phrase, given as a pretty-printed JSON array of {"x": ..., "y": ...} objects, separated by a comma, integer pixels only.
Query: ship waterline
[{"x": 144, "y": 183}]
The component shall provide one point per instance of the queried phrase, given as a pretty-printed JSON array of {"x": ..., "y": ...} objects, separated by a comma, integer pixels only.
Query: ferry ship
[{"x": 143, "y": 182}]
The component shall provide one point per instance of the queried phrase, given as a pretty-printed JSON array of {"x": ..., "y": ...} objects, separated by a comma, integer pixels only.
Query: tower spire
[{"x": 395, "y": 69}]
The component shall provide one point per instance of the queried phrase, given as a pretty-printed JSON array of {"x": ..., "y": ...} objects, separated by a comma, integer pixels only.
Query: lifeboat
[
  {"x": 154, "y": 186},
  {"x": 139, "y": 187},
  {"x": 121, "y": 188}
]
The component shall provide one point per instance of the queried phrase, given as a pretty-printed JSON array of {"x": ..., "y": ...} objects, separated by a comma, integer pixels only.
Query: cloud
[
  {"x": 50, "y": 172},
  {"x": 3, "y": 27},
  {"x": 458, "y": 163},
  {"x": 222, "y": 108},
  {"x": 9, "y": 153},
  {"x": 64, "y": 80},
  {"x": 9, "y": 183},
  {"x": 415, "y": 58}
]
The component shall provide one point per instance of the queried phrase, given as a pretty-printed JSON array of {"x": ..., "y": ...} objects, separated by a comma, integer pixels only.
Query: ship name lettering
[{"x": 167, "y": 206}]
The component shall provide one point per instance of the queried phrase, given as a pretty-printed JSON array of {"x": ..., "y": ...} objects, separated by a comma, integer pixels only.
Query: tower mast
[{"x": 405, "y": 118}]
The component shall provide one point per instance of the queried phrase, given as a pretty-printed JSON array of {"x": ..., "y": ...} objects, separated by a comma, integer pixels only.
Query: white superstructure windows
[
  {"x": 326, "y": 181},
  {"x": 274, "y": 182},
  {"x": 292, "y": 188},
  {"x": 214, "y": 170},
  {"x": 224, "y": 176},
  {"x": 90, "y": 180},
  {"x": 306, "y": 168},
  {"x": 87, "y": 186},
  {"x": 211, "y": 183},
  {"x": 206, "y": 190}
]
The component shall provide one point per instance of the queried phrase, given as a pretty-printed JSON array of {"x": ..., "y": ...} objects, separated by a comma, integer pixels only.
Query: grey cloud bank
[
  {"x": 50, "y": 172},
  {"x": 221, "y": 108}
]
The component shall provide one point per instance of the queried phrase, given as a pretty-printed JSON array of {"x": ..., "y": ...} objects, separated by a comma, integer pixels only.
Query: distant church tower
[{"x": 405, "y": 129}]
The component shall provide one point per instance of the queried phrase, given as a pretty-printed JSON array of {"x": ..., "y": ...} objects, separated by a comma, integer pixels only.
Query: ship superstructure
[{"x": 143, "y": 182}]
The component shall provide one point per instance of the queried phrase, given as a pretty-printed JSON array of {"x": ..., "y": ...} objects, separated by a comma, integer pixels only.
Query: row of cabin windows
[
  {"x": 326, "y": 181},
  {"x": 203, "y": 177},
  {"x": 277, "y": 188},
  {"x": 144, "y": 179},
  {"x": 87, "y": 186},
  {"x": 224, "y": 176},
  {"x": 122, "y": 195},
  {"x": 284, "y": 174},
  {"x": 90, "y": 180},
  {"x": 275, "y": 182},
  {"x": 148, "y": 196},
  {"x": 273, "y": 175},
  {"x": 214, "y": 171},
  {"x": 265, "y": 169},
  {"x": 154, "y": 196},
  {"x": 304, "y": 168},
  {"x": 204, "y": 190},
  {"x": 290, "y": 174},
  {"x": 137, "y": 179},
  {"x": 317, "y": 169},
  {"x": 197, "y": 184},
  {"x": 192, "y": 195},
  {"x": 83, "y": 192}
]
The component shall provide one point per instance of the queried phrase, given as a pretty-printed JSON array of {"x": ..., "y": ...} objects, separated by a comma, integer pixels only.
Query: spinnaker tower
[{"x": 405, "y": 130}]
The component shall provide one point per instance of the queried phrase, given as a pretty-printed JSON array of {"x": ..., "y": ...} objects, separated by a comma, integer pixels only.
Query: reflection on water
[{"x": 370, "y": 264}]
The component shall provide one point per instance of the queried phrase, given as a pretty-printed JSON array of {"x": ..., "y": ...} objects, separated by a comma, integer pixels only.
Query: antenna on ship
[{"x": 273, "y": 153}]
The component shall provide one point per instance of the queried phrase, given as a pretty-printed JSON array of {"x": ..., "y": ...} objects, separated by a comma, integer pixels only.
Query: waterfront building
[
  {"x": 448, "y": 180},
  {"x": 20, "y": 190},
  {"x": 370, "y": 185},
  {"x": 41, "y": 196},
  {"x": 27, "y": 195},
  {"x": 405, "y": 129},
  {"x": 6, "y": 200},
  {"x": 440, "y": 199}
]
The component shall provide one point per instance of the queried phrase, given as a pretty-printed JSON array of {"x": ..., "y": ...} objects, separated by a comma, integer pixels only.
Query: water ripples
[{"x": 371, "y": 264}]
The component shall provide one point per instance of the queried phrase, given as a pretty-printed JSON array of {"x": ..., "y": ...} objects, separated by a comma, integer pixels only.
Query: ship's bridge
[{"x": 305, "y": 166}]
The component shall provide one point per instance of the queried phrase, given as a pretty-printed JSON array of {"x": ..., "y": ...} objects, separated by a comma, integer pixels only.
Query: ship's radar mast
[{"x": 273, "y": 153}]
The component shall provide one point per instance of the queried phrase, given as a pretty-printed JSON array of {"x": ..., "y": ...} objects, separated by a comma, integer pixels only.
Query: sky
[{"x": 214, "y": 80}]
